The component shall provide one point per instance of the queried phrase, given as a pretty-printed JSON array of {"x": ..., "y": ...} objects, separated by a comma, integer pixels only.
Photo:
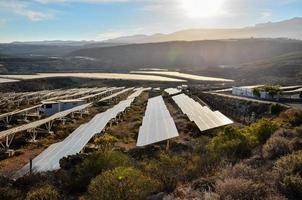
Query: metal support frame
[
  {"x": 7, "y": 119},
  {"x": 33, "y": 133},
  {"x": 48, "y": 125},
  {"x": 8, "y": 141}
]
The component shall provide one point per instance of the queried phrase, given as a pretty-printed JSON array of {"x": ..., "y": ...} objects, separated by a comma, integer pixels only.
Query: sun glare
[{"x": 201, "y": 8}]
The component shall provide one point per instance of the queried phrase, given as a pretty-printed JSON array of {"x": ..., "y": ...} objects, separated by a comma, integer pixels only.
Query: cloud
[{"x": 23, "y": 9}]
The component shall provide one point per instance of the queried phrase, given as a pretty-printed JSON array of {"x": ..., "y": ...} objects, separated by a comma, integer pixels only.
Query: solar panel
[
  {"x": 42, "y": 121},
  {"x": 138, "y": 92},
  {"x": 99, "y": 94},
  {"x": 202, "y": 116},
  {"x": 75, "y": 142},
  {"x": 116, "y": 94},
  {"x": 172, "y": 91},
  {"x": 158, "y": 124}
]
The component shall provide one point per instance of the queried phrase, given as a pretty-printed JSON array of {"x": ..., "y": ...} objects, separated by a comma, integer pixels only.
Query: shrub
[
  {"x": 106, "y": 142},
  {"x": 292, "y": 116},
  {"x": 276, "y": 109},
  {"x": 8, "y": 193},
  {"x": 239, "y": 188},
  {"x": 43, "y": 193},
  {"x": 206, "y": 163},
  {"x": 288, "y": 170},
  {"x": 276, "y": 147},
  {"x": 169, "y": 170},
  {"x": 78, "y": 178},
  {"x": 29, "y": 181},
  {"x": 285, "y": 133},
  {"x": 293, "y": 185},
  {"x": 261, "y": 130},
  {"x": 230, "y": 142},
  {"x": 241, "y": 170},
  {"x": 121, "y": 183}
]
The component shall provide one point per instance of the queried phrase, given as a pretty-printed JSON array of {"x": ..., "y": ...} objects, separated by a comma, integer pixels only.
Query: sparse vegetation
[{"x": 257, "y": 161}]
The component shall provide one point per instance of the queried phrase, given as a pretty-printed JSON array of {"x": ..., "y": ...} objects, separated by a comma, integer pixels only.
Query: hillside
[
  {"x": 291, "y": 28},
  {"x": 191, "y": 55},
  {"x": 247, "y": 60},
  {"x": 48, "y": 48},
  {"x": 284, "y": 69}
]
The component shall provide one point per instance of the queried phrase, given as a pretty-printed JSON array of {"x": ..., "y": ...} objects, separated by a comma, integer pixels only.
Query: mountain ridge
[{"x": 291, "y": 28}]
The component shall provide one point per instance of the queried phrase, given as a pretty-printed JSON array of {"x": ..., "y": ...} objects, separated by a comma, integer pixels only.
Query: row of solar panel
[
  {"x": 172, "y": 91},
  {"x": 203, "y": 117},
  {"x": 158, "y": 124},
  {"x": 76, "y": 141}
]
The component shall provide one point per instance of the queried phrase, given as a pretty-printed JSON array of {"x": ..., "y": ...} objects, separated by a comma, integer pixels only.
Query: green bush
[
  {"x": 261, "y": 130},
  {"x": 230, "y": 142},
  {"x": 78, "y": 178},
  {"x": 120, "y": 184},
  {"x": 276, "y": 147},
  {"x": 106, "y": 142},
  {"x": 43, "y": 193},
  {"x": 169, "y": 170},
  {"x": 288, "y": 170}
]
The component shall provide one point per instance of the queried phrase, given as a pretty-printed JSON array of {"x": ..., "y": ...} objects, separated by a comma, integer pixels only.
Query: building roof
[
  {"x": 70, "y": 100},
  {"x": 49, "y": 102}
]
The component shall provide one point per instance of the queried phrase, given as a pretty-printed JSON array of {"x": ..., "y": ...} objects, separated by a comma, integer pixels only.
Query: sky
[{"x": 36, "y": 20}]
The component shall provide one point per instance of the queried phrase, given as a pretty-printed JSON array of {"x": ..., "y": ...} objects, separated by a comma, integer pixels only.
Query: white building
[{"x": 51, "y": 107}]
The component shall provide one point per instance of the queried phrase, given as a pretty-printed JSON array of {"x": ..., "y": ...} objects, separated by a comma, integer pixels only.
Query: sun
[{"x": 201, "y": 8}]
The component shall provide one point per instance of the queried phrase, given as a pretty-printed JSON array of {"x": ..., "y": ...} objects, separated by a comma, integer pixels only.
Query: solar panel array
[
  {"x": 116, "y": 94},
  {"x": 42, "y": 121},
  {"x": 158, "y": 124},
  {"x": 76, "y": 141},
  {"x": 19, "y": 111},
  {"x": 202, "y": 116},
  {"x": 138, "y": 92},
  {"x": 172, "y": 91},
  {"x": 32, "y": 98},
  {"x": 100, "y": 93}
]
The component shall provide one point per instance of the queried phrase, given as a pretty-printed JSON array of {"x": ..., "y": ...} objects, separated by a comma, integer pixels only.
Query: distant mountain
[
  {"x": 55, "y": 43},
  {"x": 291, "y": 28},
  {"x": 49, "y": 48},
  {"x": 194, "y": 55}
]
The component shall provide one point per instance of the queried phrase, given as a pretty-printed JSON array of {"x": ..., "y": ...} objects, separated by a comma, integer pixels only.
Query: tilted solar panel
[
  {"x": 202, "y": 116},
  {"x": 158, "y": 124},
  {"x": 75, "y": 142}
]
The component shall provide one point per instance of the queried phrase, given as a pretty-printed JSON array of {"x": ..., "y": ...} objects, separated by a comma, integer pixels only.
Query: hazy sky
[{"x": 32, "y": 20}]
